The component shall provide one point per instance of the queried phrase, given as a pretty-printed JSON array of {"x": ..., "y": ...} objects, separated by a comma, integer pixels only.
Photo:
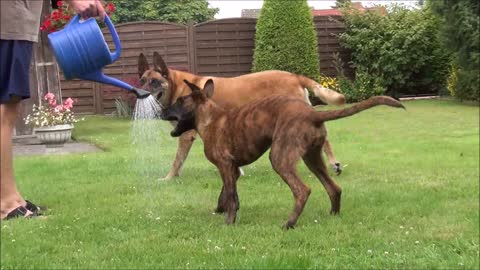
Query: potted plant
[{"x": 52, "y": 123}]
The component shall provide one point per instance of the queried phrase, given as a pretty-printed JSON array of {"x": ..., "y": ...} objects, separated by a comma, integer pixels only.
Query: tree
[
  {"x": 176, "y": 11},
  {"x": 127, "y": 11},
  {"x": 286, "y": 39},
  {"x": 342, "y": 3},
  {"x": 460, "y": 28}
]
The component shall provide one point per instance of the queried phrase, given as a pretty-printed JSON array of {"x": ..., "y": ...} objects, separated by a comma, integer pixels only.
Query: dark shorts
[{"x": 15, "y": 57}]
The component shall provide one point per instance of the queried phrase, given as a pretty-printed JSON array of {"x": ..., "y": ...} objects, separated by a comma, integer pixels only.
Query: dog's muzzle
[{"x": 167, "y": 115}]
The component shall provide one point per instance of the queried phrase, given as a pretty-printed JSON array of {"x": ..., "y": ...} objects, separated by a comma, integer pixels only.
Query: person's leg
[
  {"x": 10, "y": 198},
  {"x": 15, "y": 57}
]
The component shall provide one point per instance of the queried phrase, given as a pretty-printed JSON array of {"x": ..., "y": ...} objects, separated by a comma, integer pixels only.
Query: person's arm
[{"x": 88, "y": 8}]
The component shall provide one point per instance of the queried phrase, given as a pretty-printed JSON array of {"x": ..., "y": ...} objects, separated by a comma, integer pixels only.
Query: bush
[
  {"x": 285, "y": 39},
  {"x": 122, "y": 108},
  {"x": 363, "y": 87},
  {"x": 400, "y": 52},
  {"x": 460, "y": 29}
]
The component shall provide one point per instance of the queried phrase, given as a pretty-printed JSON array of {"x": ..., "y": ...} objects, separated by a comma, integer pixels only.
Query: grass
[{"x": 410, "y": 200}]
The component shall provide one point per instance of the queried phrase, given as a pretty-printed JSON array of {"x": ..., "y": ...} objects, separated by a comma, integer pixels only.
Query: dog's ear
[
  {"x": 160, "y": 65},
  {"x": 142, "y": 65},
  {"x": 208, "y": 88},
  {"x": 192, "y": 86}
]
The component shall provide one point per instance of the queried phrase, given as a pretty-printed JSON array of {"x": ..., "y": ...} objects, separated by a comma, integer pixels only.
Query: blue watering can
[{"x": 82, "y": 52}]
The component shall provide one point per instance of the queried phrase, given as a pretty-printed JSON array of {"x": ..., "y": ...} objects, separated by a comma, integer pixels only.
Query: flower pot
[{"x": 54, "y": 136}]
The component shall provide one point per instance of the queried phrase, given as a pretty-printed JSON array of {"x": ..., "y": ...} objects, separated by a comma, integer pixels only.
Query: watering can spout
[
  {"x": 98, "y": 76},
  {"x": 140, "y": 93}
]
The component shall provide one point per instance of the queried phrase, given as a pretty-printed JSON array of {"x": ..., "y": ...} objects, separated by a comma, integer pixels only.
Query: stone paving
[{"x": 31, "y": 146}]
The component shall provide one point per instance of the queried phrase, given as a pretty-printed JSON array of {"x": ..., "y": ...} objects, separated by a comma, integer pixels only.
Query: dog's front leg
[
  {"x": 228, "y": 199},
  {"x": 184, "y": 144},
  {"x": 222, "y": 202}
]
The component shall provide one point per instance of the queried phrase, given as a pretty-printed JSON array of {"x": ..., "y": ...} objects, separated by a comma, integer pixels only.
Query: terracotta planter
[{"x": 54, "y": 136}]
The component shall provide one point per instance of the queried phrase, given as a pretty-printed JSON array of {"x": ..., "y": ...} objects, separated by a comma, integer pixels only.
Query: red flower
[
  {"x": 59, "y": 3},
  {"x": 47, "y": 23},
  {"x": 111, "y": 7},
  {"x": 55, "y": 15}
]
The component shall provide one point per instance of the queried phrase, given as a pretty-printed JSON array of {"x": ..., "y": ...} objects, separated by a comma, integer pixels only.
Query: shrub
[
  {"x": 363, "y": 87},
  {"x": 400, "y": 52},
  {"x": 122, "y": 108},
  {"x": 285, "y": 39}
]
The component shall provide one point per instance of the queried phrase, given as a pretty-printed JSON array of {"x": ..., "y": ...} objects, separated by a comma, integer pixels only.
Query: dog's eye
[
  {"x": 181, "y": 100},
  {"x": 142, "y": 81}
]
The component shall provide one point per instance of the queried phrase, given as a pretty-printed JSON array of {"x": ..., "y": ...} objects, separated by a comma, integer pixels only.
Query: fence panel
[{"x": 224, "y": 47}]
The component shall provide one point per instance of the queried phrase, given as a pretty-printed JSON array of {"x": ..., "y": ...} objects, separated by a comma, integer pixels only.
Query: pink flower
[
  {"x": 59, "y": 108},
  {"x": 49, "y": 96},
  {"x": 68, "y": 104},
  {"x": 52, "y": 103}
]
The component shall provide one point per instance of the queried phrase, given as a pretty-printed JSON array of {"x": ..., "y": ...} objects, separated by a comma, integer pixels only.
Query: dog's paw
[
  {"x": 337, "y": 168},
  {"x": 288, "y": 226},
  {"x": 169, "y": 176},
  {"x": 335, "y": 212},
  {"x": 220, "y": 210}
]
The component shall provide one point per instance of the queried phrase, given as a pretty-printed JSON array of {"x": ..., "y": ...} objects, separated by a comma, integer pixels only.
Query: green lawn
[{"x": 410, "y": 200}]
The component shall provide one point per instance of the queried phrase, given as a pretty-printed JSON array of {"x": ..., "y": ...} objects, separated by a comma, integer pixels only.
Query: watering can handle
[{"x": 118, "y": 48}]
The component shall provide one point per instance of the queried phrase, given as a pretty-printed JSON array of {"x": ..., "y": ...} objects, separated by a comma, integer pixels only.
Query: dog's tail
[
  {"x": 326, "y": 95},
  {"x": 358, "y": 107}
]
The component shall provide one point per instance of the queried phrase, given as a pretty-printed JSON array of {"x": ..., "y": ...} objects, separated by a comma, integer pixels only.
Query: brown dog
[
  {"x": 238, "y": 137},
  {"x": 230, "y": 93}
]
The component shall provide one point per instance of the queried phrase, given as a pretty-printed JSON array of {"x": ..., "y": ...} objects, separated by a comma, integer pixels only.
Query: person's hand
[{"x": 88, "y": 8}]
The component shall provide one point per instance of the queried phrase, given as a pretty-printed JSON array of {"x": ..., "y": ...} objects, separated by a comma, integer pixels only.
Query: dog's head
[
  {"x": 155, "y": 79},
  {"x": 184, "y": 109}
]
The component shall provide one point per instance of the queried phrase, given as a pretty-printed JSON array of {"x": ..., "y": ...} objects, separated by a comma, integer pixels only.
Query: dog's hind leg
[
  {"x": 184, "y": 144},
  {"x": 284, "y": 160},
  {"x": 327, "y": 148},
  {"x": 314, "y": 161}
]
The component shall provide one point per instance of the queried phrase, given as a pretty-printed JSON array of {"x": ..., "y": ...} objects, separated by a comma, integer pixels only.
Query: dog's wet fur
[{"x": 234, "y": 138}]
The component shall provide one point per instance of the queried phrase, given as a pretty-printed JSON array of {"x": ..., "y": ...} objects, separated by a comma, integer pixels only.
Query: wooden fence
[{"x": 217, "y": 48}]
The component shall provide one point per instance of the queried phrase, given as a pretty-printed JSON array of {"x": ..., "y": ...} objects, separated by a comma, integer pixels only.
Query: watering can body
[{"x": 81, "y": 52}]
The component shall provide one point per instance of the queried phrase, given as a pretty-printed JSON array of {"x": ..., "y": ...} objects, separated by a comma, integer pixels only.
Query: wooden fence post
[{"x": 191, "y": 48}]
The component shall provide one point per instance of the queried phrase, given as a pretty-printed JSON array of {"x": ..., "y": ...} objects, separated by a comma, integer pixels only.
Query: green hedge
[
  {"x": 460, "y": 31},
  {"x": 401, "y": 52},
  {"x": 285, "y": 39}
]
